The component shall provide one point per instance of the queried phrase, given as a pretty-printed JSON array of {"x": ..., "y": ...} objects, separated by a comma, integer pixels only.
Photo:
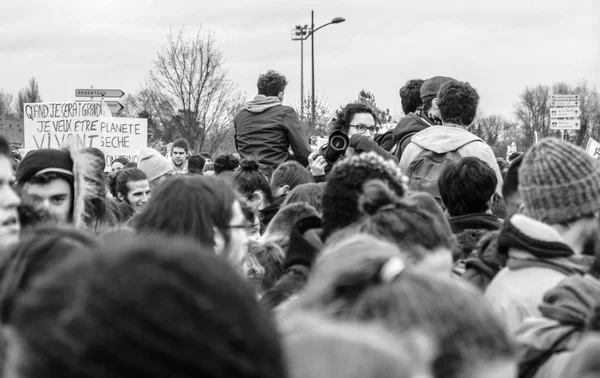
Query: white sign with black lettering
[
  {"x": 564, "y": 112},
  {"x": 564, "y": 124}
]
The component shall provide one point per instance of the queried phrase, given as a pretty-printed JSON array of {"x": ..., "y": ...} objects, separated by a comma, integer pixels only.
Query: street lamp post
[
  {"x": 304, "y": 35},
  {"x": 299, "y": 34}
]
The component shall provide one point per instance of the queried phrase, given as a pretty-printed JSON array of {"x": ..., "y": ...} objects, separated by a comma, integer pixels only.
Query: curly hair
[
  {"x": 345, "y": 115},
  {"x": 226, "y": 162},
  {"x": 271, "y": 84},
  {"x": 458, "y": 103},
  {"x": 410, "y": 94},
  {"x": 345, "y": 186}
]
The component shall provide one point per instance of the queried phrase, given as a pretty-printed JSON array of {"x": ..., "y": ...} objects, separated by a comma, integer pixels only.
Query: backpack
[{"x": 425, "y": 170}]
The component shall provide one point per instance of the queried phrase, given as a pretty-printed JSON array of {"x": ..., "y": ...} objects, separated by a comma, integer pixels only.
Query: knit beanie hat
[
  {"x": 45, "y": 161},
  {"x": 559, "y": 182},
  {"x": 153, "y": 164}
]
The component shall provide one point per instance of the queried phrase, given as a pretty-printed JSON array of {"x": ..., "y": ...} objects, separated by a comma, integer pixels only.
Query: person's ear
[
  {"x": 219, "y": 241},
  {"x": 285, "y": 189},
  {"x": 257, "y": 199},
  {"x": 521, "y": 208},
  {"x": 121, "y": 198},
  {"x": 434, "y": 103},
  {"x": 280, "y": 95}
]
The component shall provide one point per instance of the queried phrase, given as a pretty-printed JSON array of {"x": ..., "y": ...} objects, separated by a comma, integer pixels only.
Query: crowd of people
[{"x": 411, "y": 253}]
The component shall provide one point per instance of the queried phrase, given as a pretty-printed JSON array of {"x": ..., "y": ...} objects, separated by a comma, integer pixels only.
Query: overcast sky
[{"x": 500, "y": 47}]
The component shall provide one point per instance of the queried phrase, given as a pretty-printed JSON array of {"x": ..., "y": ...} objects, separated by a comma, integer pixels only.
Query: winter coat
[
  {"x": 487, "y": 222},
  {"x": 265, "y": 130},
  {"x": 269, "y": 212},
  {"x": 538, "y": 259},
  {"x": 448, "y": 138},
  {"x": 546, "y": 342},
  {"x": 406, "y": 128},
  {"x": 481, "y": 266}
]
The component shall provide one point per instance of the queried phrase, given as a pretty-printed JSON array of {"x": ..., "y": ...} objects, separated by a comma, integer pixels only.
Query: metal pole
[
  {"x": 312, "y": 56},
  {"x": 302, "y": 76}
]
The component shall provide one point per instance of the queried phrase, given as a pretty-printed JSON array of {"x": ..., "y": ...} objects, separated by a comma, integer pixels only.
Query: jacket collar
[{"x": 475, "y": 222}]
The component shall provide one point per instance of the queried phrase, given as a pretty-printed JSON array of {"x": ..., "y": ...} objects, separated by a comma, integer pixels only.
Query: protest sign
[
  {"x": 592, "y": 147},
  {"x": 12, "y": 129},
  {"x": 50, "y": 125}
]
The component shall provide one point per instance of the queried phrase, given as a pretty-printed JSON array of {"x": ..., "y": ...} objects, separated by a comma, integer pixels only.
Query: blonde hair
[{"x": 317, "y": 347}]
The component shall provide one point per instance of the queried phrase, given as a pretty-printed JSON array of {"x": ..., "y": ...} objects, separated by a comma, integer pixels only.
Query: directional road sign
[
  {"x": 114, "y": 106},
  {"x": 565, "y": 103},
  {"x": 564, "y": 124},
  {"x": 99, "y": 93},
  {"x": 570, "y": 97},
  {"x": 565, "y": 112}
]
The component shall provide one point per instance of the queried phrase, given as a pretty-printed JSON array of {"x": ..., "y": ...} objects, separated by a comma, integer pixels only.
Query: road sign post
[
  {"x": 99, "y": 93},
  {"x": 565, "y": 112}
]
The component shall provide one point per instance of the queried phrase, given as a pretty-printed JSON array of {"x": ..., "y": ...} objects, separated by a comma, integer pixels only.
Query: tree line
[{"x": 188, "y": 94}]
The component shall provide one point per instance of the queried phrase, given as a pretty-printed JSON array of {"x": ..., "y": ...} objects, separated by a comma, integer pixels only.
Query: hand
[{"x": 317, "y": 164}]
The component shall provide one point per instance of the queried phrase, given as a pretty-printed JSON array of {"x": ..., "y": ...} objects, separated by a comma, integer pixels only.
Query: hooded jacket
[
  {"x": 545, "y": 343},
  {"x": 448, "y": 138},
  {"x": 265, "y": 130},
  {"x": 406, "y": 128},
  {"x": 537, "y": 260}
]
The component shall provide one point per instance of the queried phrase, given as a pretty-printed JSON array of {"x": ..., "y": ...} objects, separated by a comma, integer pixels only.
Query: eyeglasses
[{"x": 363, "y": 128}]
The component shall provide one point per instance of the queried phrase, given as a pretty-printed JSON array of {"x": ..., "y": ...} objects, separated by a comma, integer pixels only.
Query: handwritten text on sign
[{"x": 50, "y": 125}]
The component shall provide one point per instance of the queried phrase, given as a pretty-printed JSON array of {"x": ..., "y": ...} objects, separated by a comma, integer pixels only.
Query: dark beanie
[
  {"x": 431, "y": 86},
  {"x": 559, "y": 182},
  {"x": 44, "y": 161}
]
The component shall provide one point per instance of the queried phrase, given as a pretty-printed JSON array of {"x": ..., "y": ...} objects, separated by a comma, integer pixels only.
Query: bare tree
[
  {"x": 29, "y": 94},
  {"x": 533, "y": 112},
  {"x": 188, "y": 89},
  {"x": 6, "y": 100},
  {"x": 368, "y": 98},
  {"x": 323, "y": 116},
  {"x": 491, "y": 128}
]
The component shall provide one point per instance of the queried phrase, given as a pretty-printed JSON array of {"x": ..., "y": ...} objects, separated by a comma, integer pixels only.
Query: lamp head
[{"x": 338, "y": 20}]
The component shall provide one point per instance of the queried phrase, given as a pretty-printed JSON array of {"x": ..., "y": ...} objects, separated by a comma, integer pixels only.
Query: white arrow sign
[
  {"x": 99, "y": 93},
  {"x": 114, "y": 106},
  {"x": 570, "y": 97},
  {"x": 564, "y": 103},
  {"x": 564, "y": 124},
  {"x": 564, "y": 113}
]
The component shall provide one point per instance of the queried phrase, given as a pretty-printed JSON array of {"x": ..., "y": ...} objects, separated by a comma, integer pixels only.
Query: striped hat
[{"x": 559, "y": 182}]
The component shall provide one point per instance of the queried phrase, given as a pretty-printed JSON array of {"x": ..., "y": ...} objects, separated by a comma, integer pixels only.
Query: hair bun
[
  {"x": 376, "y": 194},
  {"x": 249, "y": 165}
]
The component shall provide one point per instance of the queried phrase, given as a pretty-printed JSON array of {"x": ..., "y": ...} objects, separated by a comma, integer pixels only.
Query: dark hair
[
  {"x": 248, "y": 179},
  {"x": 466, "y": 187},
  {"x": 196, "y": 164},
  {"x": 39, "y": 251},
  {"x": 458, "y": 102},
  {"x": 291, "y": 174},
  {"x": 281, "y": 225},
  {"x": 97, "y": 214},
  {"x": 311, "y": 194},
  {"x": 226, "y": 162},
  {"x": 191, "y": 206},
  {"x": 360, "y": 290},
  {"x": 124, "y": 161},
  {"x": 5, "y": 147},
  {"x": 410, "y": 94},
  {"x": 181, "y": 143},
  {"x": 511, "y": 178},
  {"x": 270, "y": 256},
  {"x": 174, "y": 290},
  {"x": 131, "y": 164},
  {"x": 271, "y": 84},
  {"x": 125, "y": 176},
  {"x": 514, "y": 156},
  {"x": 415, "y": 231},
  {"x": 345, "y": 115},
  {"x": 345, "y": 185},
  {"x": 292, "y": 281}
]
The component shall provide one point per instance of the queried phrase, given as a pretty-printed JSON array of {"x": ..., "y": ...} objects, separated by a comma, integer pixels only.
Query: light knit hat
[
  {"x": 153, "y": 164},
  {"x": 559, "y": 182}
]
